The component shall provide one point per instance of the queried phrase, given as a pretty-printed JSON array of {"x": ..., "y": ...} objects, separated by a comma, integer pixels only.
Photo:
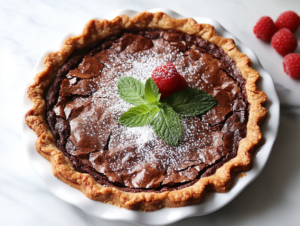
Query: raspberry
[
  {"x": 284, "y": 41},
  {"x": 289, "y": 20},
  {"x": 181, "y": 86},
  {"x": 168, "y": 79},
  {"x": 291, "y": 65},
  {"x": 165, "y": 77},
  {"x": 265, "y": 28},
  {"x": 165, "y": 94}
]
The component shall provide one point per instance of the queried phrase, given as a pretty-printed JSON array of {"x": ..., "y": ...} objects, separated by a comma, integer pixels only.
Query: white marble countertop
[{"x": 28, "y": 27}]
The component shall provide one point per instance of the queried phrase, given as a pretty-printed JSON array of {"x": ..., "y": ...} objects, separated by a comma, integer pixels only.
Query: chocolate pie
[{"x": 77, "y": 108}]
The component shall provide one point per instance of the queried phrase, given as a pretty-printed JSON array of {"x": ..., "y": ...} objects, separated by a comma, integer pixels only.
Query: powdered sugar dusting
[
  {"x": 147, "y": 144},
  {"x": 143, "y": 134},
  {"x": 140, "y": 145}
]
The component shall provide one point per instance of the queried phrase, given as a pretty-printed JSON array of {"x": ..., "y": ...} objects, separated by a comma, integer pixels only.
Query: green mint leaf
[
  {"x": 167, "y": 125},
  {"x": 131, "y": 90},
  {"x": 151, "y": 91},
  {"x": 155, "y": 104},
  {"x": 191, "y": 101},
  {"x": 138, "y": 116}
]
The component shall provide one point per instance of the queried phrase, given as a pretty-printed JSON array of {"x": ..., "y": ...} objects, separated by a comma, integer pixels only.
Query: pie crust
[{"x": 62, "y": 168}]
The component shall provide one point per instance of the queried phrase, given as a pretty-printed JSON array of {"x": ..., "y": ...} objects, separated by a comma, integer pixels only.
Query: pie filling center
[{"x": 83, "y": 108}]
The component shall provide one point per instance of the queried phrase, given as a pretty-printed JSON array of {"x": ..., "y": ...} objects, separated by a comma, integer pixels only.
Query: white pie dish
[{"x": 212, "y": 202}]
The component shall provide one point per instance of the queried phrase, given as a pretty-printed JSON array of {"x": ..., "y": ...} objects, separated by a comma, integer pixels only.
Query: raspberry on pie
[
  {"x": 77, "y": 107},
  {"x": 168, "y": 79}
]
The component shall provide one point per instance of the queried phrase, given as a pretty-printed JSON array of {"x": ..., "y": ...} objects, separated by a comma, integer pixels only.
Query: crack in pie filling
[{"x": 77, "y": 108}]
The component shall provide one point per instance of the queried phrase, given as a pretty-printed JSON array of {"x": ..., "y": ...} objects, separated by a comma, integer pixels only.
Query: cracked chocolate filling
[{"x": 83, "y": 108}]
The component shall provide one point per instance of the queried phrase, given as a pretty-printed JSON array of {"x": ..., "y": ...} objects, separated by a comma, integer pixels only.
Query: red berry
[
  {"x": 168, "y": 79},
  {"x": 289, "y": 20},
  {"x": 165, "y": 94},
  {"x": 291, "y": 65},
  {"x": 181, "y": 86},
  {"x": 165, "y": 77},
  {"x": 265, "y": 28},
  {"x": 284, "y": 42}
]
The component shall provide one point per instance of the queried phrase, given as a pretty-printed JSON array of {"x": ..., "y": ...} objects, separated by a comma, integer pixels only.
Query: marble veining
[{"x": 28, "y": 27}]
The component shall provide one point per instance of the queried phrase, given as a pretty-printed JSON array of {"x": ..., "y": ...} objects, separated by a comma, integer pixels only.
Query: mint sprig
[
  {"x": 162, "y": 115},
  {"x": 138, "y": 116},
  {"x": 151, "y": 91},
  {"x": 132, "y": 90},
  {"x": 191, "y": 101},
  {"x": 167, "y": 125}
]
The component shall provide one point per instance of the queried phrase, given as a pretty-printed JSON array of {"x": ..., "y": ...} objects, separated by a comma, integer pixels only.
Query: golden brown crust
[{"x": 62, "y": 168}]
